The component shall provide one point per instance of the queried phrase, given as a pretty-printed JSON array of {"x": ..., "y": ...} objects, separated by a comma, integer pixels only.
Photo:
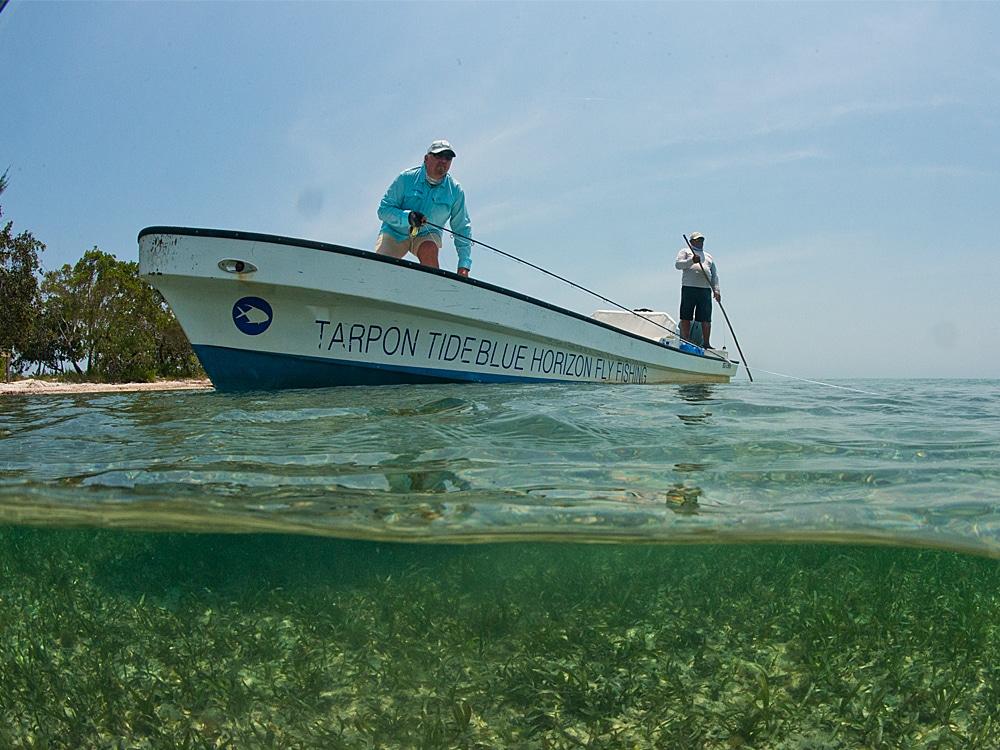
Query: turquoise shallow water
[{"x": 892, "y": 461}]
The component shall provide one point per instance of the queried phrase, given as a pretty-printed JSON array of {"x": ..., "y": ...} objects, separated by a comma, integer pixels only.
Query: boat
[{"x": 265, "y": 312}]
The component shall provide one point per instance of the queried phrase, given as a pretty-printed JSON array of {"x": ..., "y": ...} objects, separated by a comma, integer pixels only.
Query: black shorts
[{"x": 696, "y": 303}]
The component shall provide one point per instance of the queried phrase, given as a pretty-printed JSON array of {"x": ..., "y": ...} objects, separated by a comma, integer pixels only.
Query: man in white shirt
[{"x": 699, "y": 283}]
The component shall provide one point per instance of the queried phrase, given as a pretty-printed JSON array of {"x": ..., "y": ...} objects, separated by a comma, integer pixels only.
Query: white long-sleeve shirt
[{"x": 693, "y": 275}]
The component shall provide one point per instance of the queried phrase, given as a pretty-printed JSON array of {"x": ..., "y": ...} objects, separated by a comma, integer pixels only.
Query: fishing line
[
  {"x": 633, "y": 312},
  {"x": 560, "y": 278},
  {"x": 819, "y": 382}
]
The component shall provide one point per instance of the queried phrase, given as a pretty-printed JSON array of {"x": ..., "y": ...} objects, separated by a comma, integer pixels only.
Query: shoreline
[{"x": 34, "y": 386}]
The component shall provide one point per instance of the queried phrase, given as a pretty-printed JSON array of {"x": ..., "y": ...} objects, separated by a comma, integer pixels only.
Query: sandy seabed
[{"x": 32, "y": 385}]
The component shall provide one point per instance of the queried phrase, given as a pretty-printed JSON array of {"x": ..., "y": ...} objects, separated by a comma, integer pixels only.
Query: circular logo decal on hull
[{"x": 252, "y": 315}]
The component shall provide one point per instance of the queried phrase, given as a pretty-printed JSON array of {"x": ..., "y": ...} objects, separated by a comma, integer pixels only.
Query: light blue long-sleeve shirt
[{"x": 410, "y": 191}]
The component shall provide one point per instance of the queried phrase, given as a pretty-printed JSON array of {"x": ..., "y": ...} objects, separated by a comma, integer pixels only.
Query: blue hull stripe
[{"x": 242, "y": 370}]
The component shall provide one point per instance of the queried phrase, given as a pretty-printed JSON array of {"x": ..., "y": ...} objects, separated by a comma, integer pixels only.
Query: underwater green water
[
  {"x": 503, "y": 567},
  {"x": 132, "y": 639}
]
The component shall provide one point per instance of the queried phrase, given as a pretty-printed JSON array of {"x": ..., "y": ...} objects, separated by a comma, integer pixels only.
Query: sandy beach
[{"x": 32, "y": 385}]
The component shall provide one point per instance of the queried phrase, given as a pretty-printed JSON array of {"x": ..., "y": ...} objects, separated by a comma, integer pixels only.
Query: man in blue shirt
[{"x": 420, "y": 195}]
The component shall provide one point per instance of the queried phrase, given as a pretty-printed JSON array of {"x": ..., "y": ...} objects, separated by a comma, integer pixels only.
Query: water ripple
[{"x": 914, "y": 464}]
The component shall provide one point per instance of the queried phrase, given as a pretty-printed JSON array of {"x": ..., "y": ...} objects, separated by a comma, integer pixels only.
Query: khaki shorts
[{"x": 387, "y": 244}]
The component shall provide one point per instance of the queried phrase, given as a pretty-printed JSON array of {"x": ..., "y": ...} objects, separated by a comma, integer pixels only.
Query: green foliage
[
  {"x": 100, "y": 312},
  {"x": 18, "y": 287},
  {"x": 174, "y": 356},
  {"x": 91, "y": 301},
  {"x": 97, "y": 312}
]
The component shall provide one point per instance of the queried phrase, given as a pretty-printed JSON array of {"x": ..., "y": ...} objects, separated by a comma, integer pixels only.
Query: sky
[{"x": 842, "y": 159}]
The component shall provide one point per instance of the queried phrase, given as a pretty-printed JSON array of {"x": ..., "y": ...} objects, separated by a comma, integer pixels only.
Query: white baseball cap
[{"x": 439, "y": 147}]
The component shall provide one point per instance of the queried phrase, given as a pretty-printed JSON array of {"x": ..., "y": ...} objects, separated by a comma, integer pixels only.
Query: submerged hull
[{"x": 265, "y": 312}]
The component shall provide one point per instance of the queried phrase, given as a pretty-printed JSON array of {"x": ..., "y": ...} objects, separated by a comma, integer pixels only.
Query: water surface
[{"x": 900, "y": 462}]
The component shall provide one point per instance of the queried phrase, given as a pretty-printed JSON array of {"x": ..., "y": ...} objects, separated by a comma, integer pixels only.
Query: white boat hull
[{"x": 266, "y": 312}]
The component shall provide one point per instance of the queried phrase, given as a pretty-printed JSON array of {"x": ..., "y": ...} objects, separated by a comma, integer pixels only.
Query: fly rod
[{"x": 553, "y": 275}]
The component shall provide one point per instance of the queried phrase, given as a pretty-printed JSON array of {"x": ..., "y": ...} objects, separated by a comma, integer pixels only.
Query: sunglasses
[{"x": 444, "y": 156}]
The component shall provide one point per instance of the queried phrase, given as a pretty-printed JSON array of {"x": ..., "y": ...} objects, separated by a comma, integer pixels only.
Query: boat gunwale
[{"x": 273, "y": 239}]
